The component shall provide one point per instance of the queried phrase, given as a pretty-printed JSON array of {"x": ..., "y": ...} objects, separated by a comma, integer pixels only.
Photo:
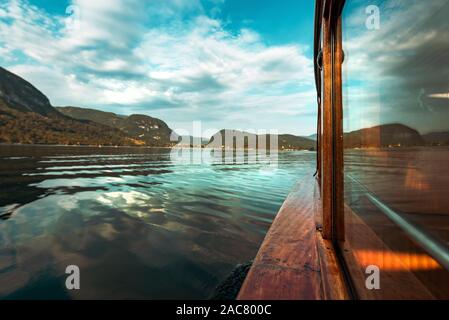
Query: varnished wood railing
[{"x": 294, "y": 261}]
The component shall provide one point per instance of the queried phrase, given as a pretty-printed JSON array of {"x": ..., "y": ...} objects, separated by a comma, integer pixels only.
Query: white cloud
[
  {"x": 62, "y": 87},
  {"x": 395, "y": 74},
  {"x": 118, "y": 57}
]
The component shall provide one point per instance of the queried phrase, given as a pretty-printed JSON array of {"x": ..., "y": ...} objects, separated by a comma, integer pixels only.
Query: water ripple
[{"x": 136, "y": 209}]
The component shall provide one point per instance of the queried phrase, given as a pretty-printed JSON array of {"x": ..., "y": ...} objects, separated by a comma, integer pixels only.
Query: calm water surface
[{"x": 137, "y": 223}]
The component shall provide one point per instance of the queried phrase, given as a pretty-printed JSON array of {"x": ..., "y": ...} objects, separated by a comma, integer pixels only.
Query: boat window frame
[{"x": 328, "y": 59}]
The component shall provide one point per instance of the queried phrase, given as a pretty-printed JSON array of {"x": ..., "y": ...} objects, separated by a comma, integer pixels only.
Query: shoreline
[
  {"x": 77, "y": 146},
  {"x": 135, "y": 147},
  {"x": 210, "y": 148}
]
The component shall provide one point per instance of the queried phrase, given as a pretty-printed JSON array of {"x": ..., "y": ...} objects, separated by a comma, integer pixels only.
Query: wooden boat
[{"x": 336, "y": 238}]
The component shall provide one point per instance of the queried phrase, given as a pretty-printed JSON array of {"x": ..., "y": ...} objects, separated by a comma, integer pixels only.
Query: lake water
[{"x": 138, "y": 223}]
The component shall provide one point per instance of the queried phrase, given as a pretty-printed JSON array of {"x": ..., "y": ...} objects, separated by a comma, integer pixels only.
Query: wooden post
[
  {"x": 338, "y": 198},
  {"x": 332, "y": 127},
  {"x": 327, "y": 131}
]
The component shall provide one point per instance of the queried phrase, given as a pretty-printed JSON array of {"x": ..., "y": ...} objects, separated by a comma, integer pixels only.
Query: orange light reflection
[{"x": 396, "y": 261}]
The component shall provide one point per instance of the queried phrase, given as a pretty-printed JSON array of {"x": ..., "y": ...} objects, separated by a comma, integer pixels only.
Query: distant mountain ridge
[
  {"x": 234, "y": 139},
  {"x": 312, "y": 137},
  {"x": 27, "y": 117},
  {"x": 437, "y": 138},
  {"x": 152, "y": 131},
  {"x": 389, "y": 135},
  {"x": 106, "y": 118}
]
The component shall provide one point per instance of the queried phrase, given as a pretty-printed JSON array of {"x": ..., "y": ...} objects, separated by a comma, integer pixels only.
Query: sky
[
  {"x": 397, "y": 72},
  {"x": 234, "y": 64}
]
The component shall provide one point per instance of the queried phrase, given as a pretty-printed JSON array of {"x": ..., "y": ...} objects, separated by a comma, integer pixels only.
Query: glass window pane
[{"x": 396, "y": 124}]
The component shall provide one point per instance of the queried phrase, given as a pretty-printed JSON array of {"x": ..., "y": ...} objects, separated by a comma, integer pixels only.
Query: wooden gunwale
[{"x": 294, "y": 261}]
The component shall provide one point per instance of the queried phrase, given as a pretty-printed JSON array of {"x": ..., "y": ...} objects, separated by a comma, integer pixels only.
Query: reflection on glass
[{"x": 396, "y": 111}]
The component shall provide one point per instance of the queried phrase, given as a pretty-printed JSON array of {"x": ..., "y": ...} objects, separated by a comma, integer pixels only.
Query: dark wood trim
[
  {"x": 334, "y": 285},
  {"x": 332, "y": 278},
  {"x": 331, "y": 143},
  {"x": 338, "y": 170},
  {"x": 327, "y": 8},
  {"x": 327, "y": 131},
  {"x": 294, "y": 262},
  {"x": 317, "y": 57}
]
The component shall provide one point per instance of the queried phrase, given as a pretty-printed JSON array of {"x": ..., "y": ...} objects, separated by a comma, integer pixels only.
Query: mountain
[
  {"x": 21, "y": 96},
  {"x": 288, "y": 141},
  {"x": 389, "y": 135},
  {"x": 106, "y": 118},
  {"x": 241, "y": 139},
  {"x": 27, "y": 116},
  {"x": 312, "y": 137},
  {"x": 437, "y": 138},
  {"x": 152, "y": 131},
  {"x": 191, "y": 141}
]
